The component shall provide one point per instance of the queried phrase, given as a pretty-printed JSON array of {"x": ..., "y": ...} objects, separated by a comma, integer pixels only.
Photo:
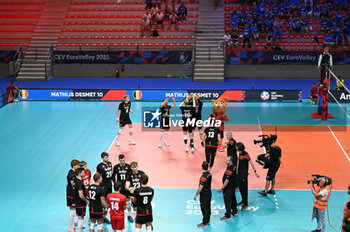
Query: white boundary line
[
  {"x": 257, "y": 116},
  {"x": 335, "y": 137}
]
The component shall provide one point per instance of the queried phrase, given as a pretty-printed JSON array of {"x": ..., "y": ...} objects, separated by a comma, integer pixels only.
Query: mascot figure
[{"x": 219, "y": 109}]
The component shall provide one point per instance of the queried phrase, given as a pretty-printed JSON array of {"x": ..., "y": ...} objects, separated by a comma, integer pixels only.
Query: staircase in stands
[
  {"x": 209, "y": 64},
  {"x": 46, "y": 32}
]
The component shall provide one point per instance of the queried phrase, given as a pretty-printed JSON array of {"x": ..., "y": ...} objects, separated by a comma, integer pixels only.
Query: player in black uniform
[
  {"x": 80, "y": 198},
  {"x": 120, "y": 173},
  {"x": 124, "y": 109},
  {"x": 105, "y": 169},
  {"x": 212, "y": 139},
  {"x": 97, "y": 203},
  {"x": 143, "y": 198},
  {"x": 231, "y": 148},
  {"x": 133, "y": 182},
  {"x": 70, "y": 193},
  {"x": 165, "y": 120},
  {"x": 204, "y": 191},
  {"x": 198, "y": 114},
  {"x": 229, "y": 181},
  {"x": 187, "y": 116}
]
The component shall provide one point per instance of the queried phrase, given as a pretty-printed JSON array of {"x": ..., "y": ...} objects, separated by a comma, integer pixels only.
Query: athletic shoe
[
  {"x": 117, "y": 143},
  {"x": 271, "y": 191},
  {"x": 202, "y": 143},
  {"x": 160, "y": 145},
  {"x": 234, "y": 214},
  {"x": 186, "y": 149},
  {"x": 151, "y": 227},
  {"x": 262, "y": 193},
  {"x": 244, "y": 207},
  {"x": 130, "y": 219},
  {"x": 105, "y": 220},
  {"x": 202, "y": 225},
  {"x": 317, "y": 230},
  {"x": 16, "y": 100},
  {"x": 132, "y": 142},
  {"x": 192, "y": 149},
  {"x": 72, "y": 230},
  {"x": 166, "y": 144},
  {"x": 224, "y": 218}
]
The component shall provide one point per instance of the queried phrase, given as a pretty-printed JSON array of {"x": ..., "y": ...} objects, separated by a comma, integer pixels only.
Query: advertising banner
[
  {"x": 120, "y": 57},
  {"x": 272, "y": 95},
  {"x": 282, "y": 57},
  {"x": 340, "y": 96}
]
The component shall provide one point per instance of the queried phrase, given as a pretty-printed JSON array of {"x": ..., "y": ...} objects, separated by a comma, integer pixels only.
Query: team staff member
[
  {"x": 70, "y": 192},
  {"x": 242, "y": 177},
  {"x": 124, "y": 109},
  {"x": 314, "y": 93},
  {"x": 143, "y": 198},
  {"x": 346, "y": 215},
  {"x": 229, "y": 190},
  {"x": 105, "y": 169},
  {"x": 321, "y": 194},
  {"x": 97, "y": 203},
  {"x": 13, "y": 91},
  {"x": 212, "y": 139},
  {"x": 81, "y": 199},
  {"x": 231, "y": 148},
  {"x": 117, "y": 204},
  {"x": 165, "y": 120},
  {"x": 204, "y": 192},
  {"x": 133, "y": 182}
]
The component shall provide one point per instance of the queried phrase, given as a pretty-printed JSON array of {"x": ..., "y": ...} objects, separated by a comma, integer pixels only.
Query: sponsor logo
[{"x": 265, "y": 95}]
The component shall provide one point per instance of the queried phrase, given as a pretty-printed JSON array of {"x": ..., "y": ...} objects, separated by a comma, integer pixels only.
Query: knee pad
[
  {"x": 120, "y": 131},
  {"x": 131, "y": 130},
  {"x": 100, "y": 227}
]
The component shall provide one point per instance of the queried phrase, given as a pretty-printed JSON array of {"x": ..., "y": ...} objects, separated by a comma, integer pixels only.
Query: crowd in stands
[
  {"x": 266, "y": 19},
  {"x": 156, "y": 15}
]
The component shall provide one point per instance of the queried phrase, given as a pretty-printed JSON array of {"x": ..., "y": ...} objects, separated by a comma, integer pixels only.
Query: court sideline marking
[{"x": 336, "y": 139}]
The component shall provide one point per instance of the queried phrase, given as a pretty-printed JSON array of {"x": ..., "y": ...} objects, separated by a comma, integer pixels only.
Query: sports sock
[
  {"x": 137, "y": 229},
  {"x": 185, "y": 139},
  {"x": 161, "y": 136},
  {"x": 165, "y": 136},
  {"x": 71, "y": 218},
  {"x": 80, "y": 225},
  {"x": 191, "y": 140},
  {"x": 148, "y": 228}
]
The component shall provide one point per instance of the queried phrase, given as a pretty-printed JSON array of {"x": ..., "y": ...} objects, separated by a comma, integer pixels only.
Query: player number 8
[{"x": 145, "y": 200}]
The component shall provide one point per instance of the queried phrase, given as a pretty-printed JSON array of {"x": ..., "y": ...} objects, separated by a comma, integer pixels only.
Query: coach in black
[
  {"x": 229, "y": 181},
  {"x": 204, "y": 190}
]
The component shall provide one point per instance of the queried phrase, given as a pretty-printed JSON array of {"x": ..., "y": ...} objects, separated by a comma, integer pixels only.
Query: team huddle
[{"x": 131, "y": 192}]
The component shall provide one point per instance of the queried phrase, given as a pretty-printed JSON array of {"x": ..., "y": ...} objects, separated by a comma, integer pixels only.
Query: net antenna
[{"x": 347, "y": 90}]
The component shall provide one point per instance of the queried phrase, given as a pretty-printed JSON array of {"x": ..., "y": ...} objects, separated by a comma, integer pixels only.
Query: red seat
[
  {"x": 306, "y": 36},
  {"x": 227, "y": 15},
  {"x": 292, "y": 43},
  {"x": 300, "y": 43},
  {"x": 307, "y": 43},
  {"x": 298, "y": 36}
]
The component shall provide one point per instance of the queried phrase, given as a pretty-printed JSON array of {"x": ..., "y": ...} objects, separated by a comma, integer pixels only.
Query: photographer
[
  {"x": 346, "y": 215},
  {"x": 321, "y": 193}
]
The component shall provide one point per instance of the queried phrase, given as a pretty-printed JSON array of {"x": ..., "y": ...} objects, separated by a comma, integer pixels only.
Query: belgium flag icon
[
  {"x": 24, "y": 94},
  {"x": 137, "y": 94}
]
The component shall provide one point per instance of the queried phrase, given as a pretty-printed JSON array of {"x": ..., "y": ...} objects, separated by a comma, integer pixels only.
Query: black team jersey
[
  {"x": 205, "y": 180},
  {"x": 165, "y": 116},
  {"x": 232, "y": 151},
  {"x": 243, "y": 164},
  {"x": 79, "y": 185},
  {"x": 106, "y": 171},
  {"x": 212, "y": 136},
  {"x": 230, "y": 174},
  {"x": 187, "y": 114},
  {"x": 120, "y": 173},
  {"x": 70, "y": 186},
  {"x": 135, "y": 179},
  {"x": 124, "y": 110},
  {"x": 144, "y": 196},
  {"x": 95, "y": 194},
  {"x": 197, "y": 109}
]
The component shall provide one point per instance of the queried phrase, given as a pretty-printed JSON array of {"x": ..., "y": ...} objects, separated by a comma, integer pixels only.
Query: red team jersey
[
  {"x": 116, "y": 201},
  {"x": 86, "y": 179}
]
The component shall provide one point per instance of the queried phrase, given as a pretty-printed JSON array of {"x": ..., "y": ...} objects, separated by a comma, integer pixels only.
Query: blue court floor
[{"x": 39, "y": 139}]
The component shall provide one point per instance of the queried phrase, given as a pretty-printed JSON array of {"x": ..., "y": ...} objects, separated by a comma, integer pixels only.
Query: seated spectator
[
  {"x": 334, "y": 29},
  {"x": 235, "y": 39},
  {"x": 297, "y": 27},
  {"x": 249, "y": 21},
  {"x": 290, "y": 25},
  {"x": 147, "y": 16},
  {"x": 148, "y": 4},
  {"x": 234, "y": 24},
  {"x": 13, "y": 91},
  {"x": 339, "y": 85},
  {"x": 329, "y": 40},
  {"x": 305, "y": 24},
  {"x": 316, "y": 39},
  {"x": 167, "y": 12},
  {"x": 314, "y": 94},
  {"x": 173, "y": 20},
  {"x": 182, "y": 12},
  {"x": 339, "y": 39},
  {"x": 234, "y": 14},
  {"x": 247, "y": 34},
  {"x": 226, "y": 40},
  {"x": 277, "y": 32},
  {"x": 269, "y": 23},
  {"x": 269, "y": 41},
  {"x": 155, "y": 33},
  {"x": 145, "y": 27},
  {"x": 325, "y": 25},
  {"x": 255, "y": 31},
  {"x": 159, "y": 19}
]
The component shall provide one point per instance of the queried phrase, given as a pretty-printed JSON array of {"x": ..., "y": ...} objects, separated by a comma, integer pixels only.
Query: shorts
[
  {"x": 107, "y": 190},
  {"x": 221, "y": 134},
  {"x": 271, "y": 173},
  {"x": 70, "y": 201},
  {"x": 210, "y": 150},
  {"x": 124, "y": 122},
  {"x": 81, "y": 211},
  {"x": 118, "y": 222},
  {"x": 187, "y": 128},
  {"x": 346, "y": 227},
  {"x": 314, "y": 97},
  {"x": 195, "y": 125},
  {"x": 143, "y": 219},
  {"x": 96, "y": 216},
  {"x": 125, "y": 192}
]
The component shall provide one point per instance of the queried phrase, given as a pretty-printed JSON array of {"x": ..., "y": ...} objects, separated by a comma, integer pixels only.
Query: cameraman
[
  {"x": 272, "y": 162},
  {"x": 321, "y": 193},
  {"x": 346, "y": 215}
]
